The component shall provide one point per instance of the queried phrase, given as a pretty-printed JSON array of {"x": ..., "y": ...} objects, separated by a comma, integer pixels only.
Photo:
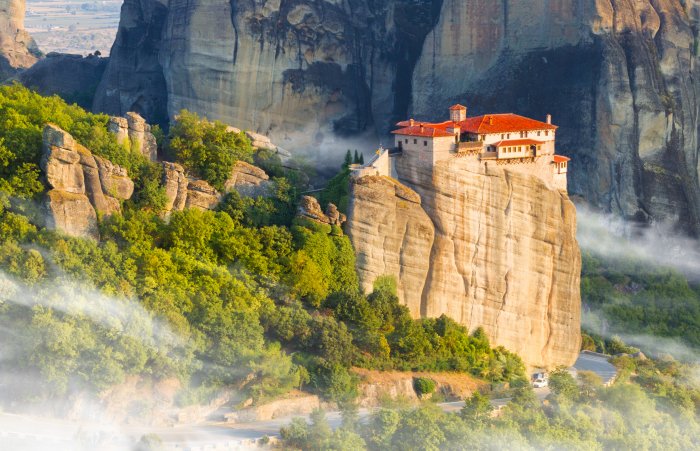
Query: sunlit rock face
[
  {"x": 487, "y": 246},
  {"x": 17, "y": 49},
  {"x": 297, "y": 71},
  {"x": 618, "y": 77},
  {"x": 81, "y": 185}
]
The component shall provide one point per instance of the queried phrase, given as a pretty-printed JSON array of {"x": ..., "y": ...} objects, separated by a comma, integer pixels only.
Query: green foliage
[
  {"x": 424, "y": 385},
  {"x": 634, "y": 298},
  {"x": 207, "y": 149}
]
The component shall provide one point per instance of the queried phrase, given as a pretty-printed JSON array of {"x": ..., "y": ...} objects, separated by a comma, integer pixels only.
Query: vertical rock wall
[{"x": 488, "y": 247}]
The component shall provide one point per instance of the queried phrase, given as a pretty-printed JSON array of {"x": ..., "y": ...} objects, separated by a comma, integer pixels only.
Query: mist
[{"x": 657, "y": 245}]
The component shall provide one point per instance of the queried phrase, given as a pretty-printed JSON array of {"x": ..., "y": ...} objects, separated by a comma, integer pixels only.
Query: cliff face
[
  {"x": 488, "y": 247},
  {"x": 298, "y": 71},
  {"x": 17, "y": 49},
  {"x": 618, "y": 76}
]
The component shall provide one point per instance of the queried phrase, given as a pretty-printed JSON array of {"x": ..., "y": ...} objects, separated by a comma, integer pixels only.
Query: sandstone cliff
[
  {"x": 17, "y": 48},
  {"x": 73, "y": 77},
  {"x": 618, "y": 76},
  {"x": 487, "y": 246},
  {"x": 81, "y": 185},
  {"x": 298, "y": 71}
]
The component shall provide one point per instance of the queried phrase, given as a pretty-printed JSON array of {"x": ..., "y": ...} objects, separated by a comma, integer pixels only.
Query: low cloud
[{"x": 610, "y": 237}]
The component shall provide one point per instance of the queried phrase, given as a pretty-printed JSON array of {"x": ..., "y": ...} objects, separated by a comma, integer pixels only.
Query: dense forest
[
  {"x": 257, "y": 298},
  {"x": 252, "y": 296}
]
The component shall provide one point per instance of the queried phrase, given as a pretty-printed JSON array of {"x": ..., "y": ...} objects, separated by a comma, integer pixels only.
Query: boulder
[
  {"x": 249, "y": 180},
  {"x": 202, "y": 195},
  {"x": 309, "y": 208},
  {"x": 72, "y": 214}
]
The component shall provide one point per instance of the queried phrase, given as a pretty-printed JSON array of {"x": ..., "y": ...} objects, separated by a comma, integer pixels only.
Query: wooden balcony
[{"x": 470, "y": 146}]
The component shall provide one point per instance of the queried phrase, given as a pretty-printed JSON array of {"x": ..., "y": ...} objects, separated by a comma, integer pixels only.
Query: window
[
  {"x": 508, "y": 136},
  {"x": 546, "y": 133},
  {"x": 425, "y": 143},
  {"x": 406, "y": 140},
  {"x": 539, "y": 133},
  {"x": 415, "y": 141},
  {"x": 539, "y": 147},
  {"x": 503, "y": 136}
]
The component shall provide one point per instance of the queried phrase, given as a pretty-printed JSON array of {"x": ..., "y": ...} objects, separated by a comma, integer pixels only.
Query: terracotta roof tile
[
  {"x": 561, "y": 159},
  {"x": 426, "y": 131},
  {"x": 517, "y": 142},
  {"x": 502, "y": 123}
]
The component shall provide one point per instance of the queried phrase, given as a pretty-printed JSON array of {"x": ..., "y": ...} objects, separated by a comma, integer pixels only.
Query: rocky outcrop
[
  {"x": 309, "y": 208},
  {"x": 183, "y": 191},
  {"x": 487, "y": 246},
  {"x": 249, "y": 180},
  {"x": 134, "y": 130},
  {"x": 386, "y": 215},
  {"x": 81, "y": 185},
  {"x": 618, "y": 76},
  {"x": 73, "y": 77},
  {"x": 17, "y": 48}
]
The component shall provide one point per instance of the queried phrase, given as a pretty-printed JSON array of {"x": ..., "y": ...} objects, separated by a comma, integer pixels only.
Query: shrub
[{"x": 423, "y": 386}]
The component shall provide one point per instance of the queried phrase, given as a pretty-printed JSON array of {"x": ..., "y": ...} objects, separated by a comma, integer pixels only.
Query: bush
[
  {"x": 423, "y": 386},
  {"x": 207, "y": 149}
]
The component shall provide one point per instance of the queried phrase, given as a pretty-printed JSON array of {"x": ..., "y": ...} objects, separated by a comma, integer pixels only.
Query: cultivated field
[{"x": 78, "y": 26}]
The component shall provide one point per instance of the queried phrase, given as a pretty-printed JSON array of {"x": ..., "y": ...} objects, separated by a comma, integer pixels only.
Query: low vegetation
[
  {"x": 245, "y": 296},
  {"x": 634, "y": 298},
  {"x": 654, "y": 405}
]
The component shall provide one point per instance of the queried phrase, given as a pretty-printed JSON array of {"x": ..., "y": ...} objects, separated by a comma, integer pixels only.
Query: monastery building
[{"x": 524, "y": 144}]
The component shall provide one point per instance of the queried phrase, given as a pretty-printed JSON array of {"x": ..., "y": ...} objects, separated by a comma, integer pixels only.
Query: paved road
[
  {"x": 31, "y": 433},
  {"x": 597, "y": 363}
]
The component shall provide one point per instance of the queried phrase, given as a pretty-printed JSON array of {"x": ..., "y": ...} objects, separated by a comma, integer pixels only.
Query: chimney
[
  {"x": 490, "y": 120},
  {"x": 421, "y": 126},
  {"x": 549, "y": 118},
  {"x": 410, "y": 122}
]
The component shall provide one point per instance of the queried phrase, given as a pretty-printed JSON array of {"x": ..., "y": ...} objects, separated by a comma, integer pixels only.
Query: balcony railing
[{"x": 469, "y": 146}]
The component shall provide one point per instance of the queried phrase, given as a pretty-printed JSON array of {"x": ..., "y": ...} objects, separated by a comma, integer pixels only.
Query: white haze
[
  {"x": 610, "y": 237},
  {"x": 91, "y": 427}
]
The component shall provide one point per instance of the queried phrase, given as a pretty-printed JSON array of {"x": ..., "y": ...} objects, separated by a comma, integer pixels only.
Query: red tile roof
[
  {"x": 426, "y": 130},
  {"x": 489, "y": 123},
  {"x": 457, "y": 107},
  {"x": 502, "y": 123},
  {"x": 517, "y": 142},
  {"x": 561, "y": 159}
]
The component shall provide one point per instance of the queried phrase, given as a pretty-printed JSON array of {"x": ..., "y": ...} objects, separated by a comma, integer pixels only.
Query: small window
[
  {"x": 415, "y": 141},
  {"x": 508, "y": 136},
  {"x": 425, "y": 143},
  {"x": 406, "y": 140},
  {"x": 546, "y": 133},
  {"x": 539, "y": 133},
  {"x": 503, "y": 136}
]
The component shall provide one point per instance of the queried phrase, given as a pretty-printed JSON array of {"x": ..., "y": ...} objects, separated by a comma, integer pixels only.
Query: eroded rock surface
[
  {"x": 488, "y": 247},
  {"x": 81, "y": 185},
  {"x": 134, "y": 129},
  {"x": 618, "y": 76},
  {"x": 17, "y": 48},
  {"x": 309, "y": 208}
]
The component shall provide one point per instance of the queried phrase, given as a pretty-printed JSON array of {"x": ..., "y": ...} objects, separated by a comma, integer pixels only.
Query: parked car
[{"x": 540, "y": 383}]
